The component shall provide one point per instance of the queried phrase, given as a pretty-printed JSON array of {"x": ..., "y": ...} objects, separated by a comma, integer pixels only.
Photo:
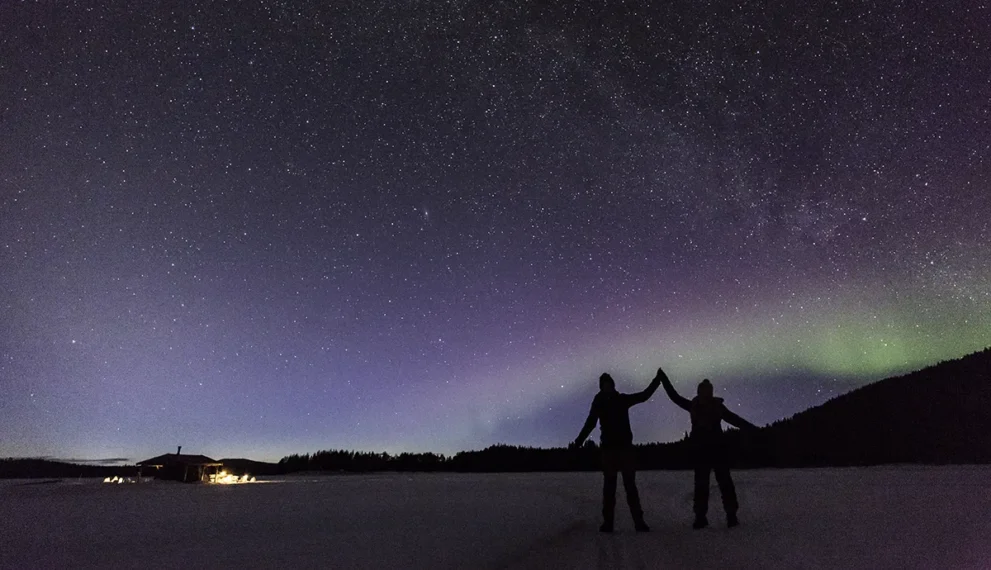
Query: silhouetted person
[
  {"x": 709, "y": 449},
  {"x": 612, "y": 412}
]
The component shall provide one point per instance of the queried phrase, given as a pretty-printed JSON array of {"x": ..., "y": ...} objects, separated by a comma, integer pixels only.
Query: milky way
[{"x": 272, "y": 227}]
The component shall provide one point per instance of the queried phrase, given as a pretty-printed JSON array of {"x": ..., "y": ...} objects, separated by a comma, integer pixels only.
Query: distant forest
[
  {"x": 47, "y": 469},
  {"x": 938, "y": 415},
  {"x": 493, "y": 459}
]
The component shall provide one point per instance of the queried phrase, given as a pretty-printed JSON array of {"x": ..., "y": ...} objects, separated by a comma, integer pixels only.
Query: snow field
[{"x": 885, "y": 517}]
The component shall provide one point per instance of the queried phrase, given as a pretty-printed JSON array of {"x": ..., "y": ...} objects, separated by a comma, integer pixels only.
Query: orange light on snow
[
  {"x": 225, "y": 478},
  {"x": 117, "y": 480}
]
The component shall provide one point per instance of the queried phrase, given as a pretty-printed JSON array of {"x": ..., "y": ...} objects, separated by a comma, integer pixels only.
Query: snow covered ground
[{"x": 905, "y": 517}]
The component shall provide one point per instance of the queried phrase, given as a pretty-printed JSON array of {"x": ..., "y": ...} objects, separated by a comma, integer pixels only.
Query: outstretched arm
[
  {"x": 736, "y": 421},
  {"x": 593, "y": 418},
  {"x": 683, "y": 403},
  {"x": 649, "y": 390}
]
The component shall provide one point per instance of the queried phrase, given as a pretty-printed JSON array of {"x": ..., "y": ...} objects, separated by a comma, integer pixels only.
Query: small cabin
[{"x": 179, "y": 467}]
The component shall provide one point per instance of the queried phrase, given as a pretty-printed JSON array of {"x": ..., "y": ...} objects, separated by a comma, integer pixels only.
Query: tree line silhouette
[
  {"x": 503, "y": 458},
  {"x": 23, "y": 468},
  {"x": 361, "y": 461},
  {"x": 938, "y": 415}
]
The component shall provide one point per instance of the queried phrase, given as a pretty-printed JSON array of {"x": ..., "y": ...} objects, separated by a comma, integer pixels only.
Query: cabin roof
[{"x": 175, "y": 458}]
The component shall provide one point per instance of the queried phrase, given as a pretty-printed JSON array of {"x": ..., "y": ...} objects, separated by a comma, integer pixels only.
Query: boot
[
  {"x": 700, "y": 522},
  {"x": 731, "y": 520},
  {"x": 641, "y": 525},
  {"x": 606, "y": 527}
]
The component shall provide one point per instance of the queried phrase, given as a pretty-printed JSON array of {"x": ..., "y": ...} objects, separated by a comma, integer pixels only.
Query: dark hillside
[
  {"x": 241, "y": 466},
  {"x": 941, "y": 414}
]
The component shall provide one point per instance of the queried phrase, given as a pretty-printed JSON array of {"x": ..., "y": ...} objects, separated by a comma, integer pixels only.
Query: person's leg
[
  {"x": 701, "y": 495},
  {"x": 728, "y": 492},
  {"x": 608, "y": 498},
  {"x": 633, "y": 499}
]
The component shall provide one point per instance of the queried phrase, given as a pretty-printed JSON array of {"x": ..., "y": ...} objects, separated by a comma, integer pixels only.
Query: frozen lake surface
[{"x": 886, "y": 517}]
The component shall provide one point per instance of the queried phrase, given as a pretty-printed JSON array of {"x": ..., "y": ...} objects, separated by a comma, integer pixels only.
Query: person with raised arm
[
  {"x": 709, "y": 448},
  {"x": 611, "y": 410}
]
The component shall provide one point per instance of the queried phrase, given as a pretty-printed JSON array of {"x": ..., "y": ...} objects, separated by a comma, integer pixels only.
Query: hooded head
[
  {"x": 606, "y": 383},
  {"x": 705, "y": 389}
]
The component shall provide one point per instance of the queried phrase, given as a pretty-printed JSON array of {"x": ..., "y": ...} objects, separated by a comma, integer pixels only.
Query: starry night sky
[{"x": 262, "y": 228}]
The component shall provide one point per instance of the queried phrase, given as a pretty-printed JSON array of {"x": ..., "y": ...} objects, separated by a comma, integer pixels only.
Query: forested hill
[{"x": 941, "y": 414}]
